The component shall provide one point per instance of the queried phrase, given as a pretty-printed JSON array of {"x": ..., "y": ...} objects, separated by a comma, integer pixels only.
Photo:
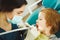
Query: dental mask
[{"x": 15, "y": 19}]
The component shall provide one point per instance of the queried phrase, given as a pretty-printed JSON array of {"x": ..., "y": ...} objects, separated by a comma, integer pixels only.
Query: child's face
[{"x": 41, "y": 22}]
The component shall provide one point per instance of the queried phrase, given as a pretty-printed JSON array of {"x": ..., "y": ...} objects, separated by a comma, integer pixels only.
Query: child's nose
[{"x": 36, "y": 21}]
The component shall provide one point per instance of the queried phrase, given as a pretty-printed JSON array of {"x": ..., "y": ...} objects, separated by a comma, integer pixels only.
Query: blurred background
[{"x": 31, "y": 6}]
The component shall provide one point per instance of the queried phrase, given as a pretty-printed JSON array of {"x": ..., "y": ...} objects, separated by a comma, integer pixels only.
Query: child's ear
[{"x": 49, "y": 27}]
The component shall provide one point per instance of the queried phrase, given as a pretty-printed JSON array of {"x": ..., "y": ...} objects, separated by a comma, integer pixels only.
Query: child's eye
[{"x": 40, "y": 19}]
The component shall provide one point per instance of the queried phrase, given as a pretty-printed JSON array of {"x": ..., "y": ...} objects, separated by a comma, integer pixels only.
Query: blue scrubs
[{"x": 11, "y": 36}]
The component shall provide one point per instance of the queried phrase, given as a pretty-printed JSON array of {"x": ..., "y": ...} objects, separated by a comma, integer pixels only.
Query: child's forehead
[{"x": 41, "y": 14}]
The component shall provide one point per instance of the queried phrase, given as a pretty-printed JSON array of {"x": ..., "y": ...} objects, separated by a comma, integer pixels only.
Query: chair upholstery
[{"x": 33, "y": 17}]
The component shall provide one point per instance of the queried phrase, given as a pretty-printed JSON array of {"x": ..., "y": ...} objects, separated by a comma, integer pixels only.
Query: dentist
[{"x": 10, "y": 14}]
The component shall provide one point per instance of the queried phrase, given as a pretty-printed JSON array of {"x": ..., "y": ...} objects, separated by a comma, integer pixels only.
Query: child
[{"x": 48, "y": 24}]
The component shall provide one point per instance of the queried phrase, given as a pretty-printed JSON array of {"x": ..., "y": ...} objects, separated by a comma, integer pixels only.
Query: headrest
[{"x": 54, "y": 4}]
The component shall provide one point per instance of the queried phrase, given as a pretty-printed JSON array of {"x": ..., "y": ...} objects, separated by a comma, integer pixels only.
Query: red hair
[{"x": 52, "y": 19}]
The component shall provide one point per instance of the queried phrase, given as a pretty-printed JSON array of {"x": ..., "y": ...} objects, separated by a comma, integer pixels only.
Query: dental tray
[{"x": 20, "y": 29}]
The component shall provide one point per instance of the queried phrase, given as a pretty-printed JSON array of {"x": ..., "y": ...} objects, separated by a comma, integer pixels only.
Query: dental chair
[
  {"x": 33, "y": 17},
  {"x": 54, "y": 4}
]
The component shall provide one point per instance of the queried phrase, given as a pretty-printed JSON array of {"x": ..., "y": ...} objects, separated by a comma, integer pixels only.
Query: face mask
[{"x": 15, "y": 20}]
